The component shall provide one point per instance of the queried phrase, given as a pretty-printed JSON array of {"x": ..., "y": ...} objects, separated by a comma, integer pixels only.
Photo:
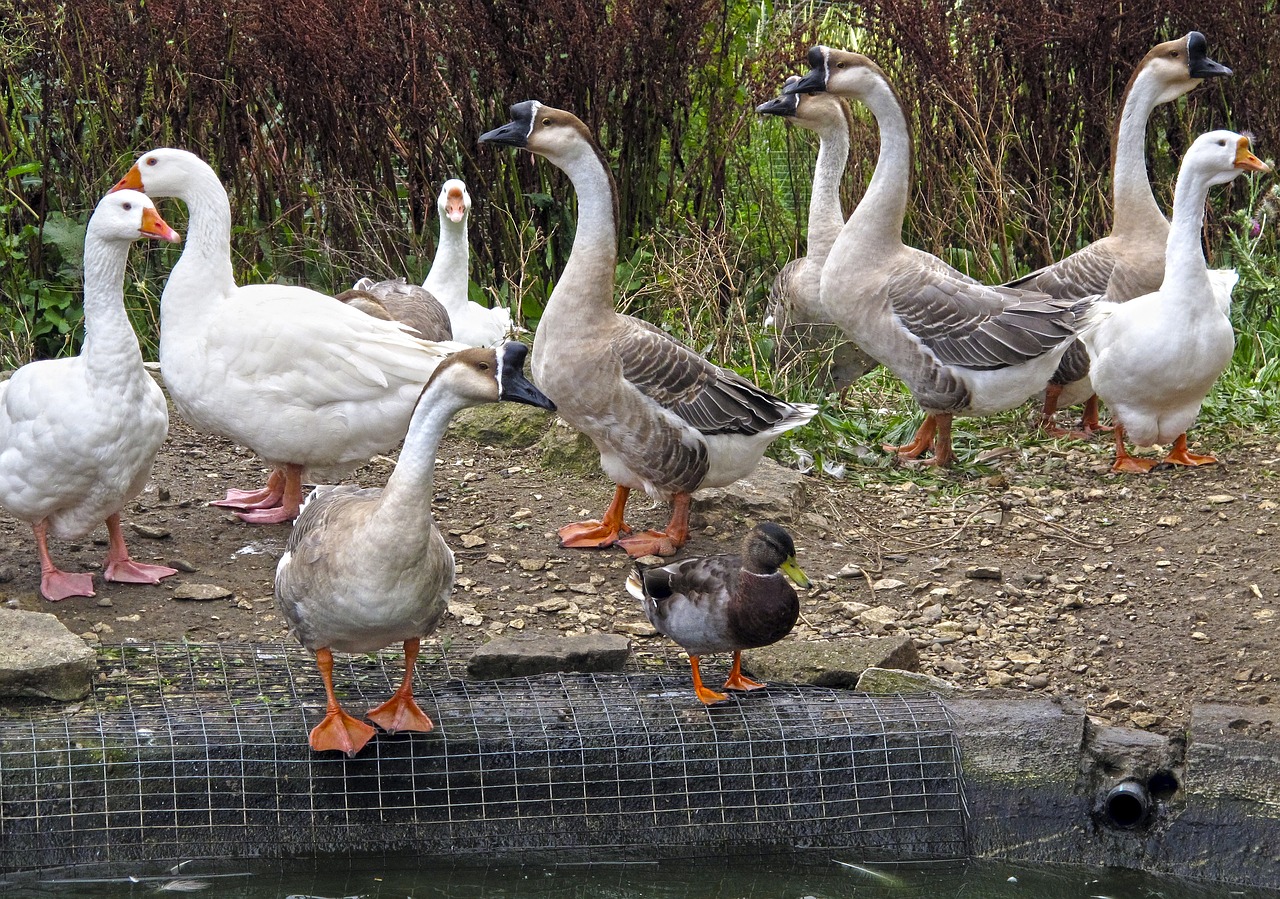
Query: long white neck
[
  {"x": 447, "y": 279},
  {"x": 1136, "y": 210},
  {"x": 878, "y": 218},
  {"x": 583, "y": 295},
  {"x": 110, "y": 344},
  {"x": 826, "y": 217},
  {"x": 203, "y": 274},
  {"x": 405, "y": 506},
  {"x": 1185, "y": 272}
]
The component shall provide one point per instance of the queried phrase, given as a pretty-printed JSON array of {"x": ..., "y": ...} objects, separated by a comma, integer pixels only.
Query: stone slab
[{"x": 41, "y": 659}]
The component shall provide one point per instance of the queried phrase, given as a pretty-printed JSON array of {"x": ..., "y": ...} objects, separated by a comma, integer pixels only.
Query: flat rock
[
  {"x": 513, "y": 425},
  {"x": 529, "y": 654},
  {"x": 893, "y": 680},
  {"x": 40, "y": 658},
  {"x": 202, "y": 592},
  {"x": 836, "y": 662},
  {"x": 770, "y": 493}
]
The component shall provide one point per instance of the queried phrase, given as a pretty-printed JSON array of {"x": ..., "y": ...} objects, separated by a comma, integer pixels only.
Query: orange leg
[
  {"x": 1049, "y": 411},
  {"x": 739, "y": 681},
  {"x": 289, "y": 504},
  {"x": 942, "y": 454},
  {"x": 55, "y": 584},
  {"x": 122, "y": 569},
  {"x": 268, "y": 497},
  {"x": 1180, "y": 455},
  {"x": 1125, "y": 462},
  {"x": 1089, "y": 422},
  {"x": 400, "y": 712},
  {"x": 921, "y": 442},
  {"x": 663, "y": 543},
  {"x": 599, "y": 534},
  {"x": 707, "y": 695},
  {"x": 338, "y": 730}
]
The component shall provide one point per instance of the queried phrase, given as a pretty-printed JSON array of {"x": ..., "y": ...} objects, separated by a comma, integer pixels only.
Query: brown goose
[
  {"x": 960, "y": 346},
  {"x": 665, "y": 419},
  {"x": 400, "y": 301},
  {"x": 725, "y": 603},
  {"x": 1128, "y": 262}
]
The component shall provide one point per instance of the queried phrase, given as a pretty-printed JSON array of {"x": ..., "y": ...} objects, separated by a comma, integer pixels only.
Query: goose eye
[
  {"x": 127, "y": 206},
  {"x": 151, "y": 161},
  {"x": 484, "y": 366},
  {"x": 546, "y": 121},
  {"x": 1222, "y": 143}
]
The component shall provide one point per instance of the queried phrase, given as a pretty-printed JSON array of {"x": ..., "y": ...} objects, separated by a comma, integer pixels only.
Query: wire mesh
[{"x": 200, "y": 751}]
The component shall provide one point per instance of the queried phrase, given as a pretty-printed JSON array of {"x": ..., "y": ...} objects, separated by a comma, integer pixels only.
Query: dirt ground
[{"x": 1138, "y": 596}]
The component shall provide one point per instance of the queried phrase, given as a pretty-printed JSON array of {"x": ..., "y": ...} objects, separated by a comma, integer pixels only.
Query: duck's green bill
[{"x": 791, "y": 569}]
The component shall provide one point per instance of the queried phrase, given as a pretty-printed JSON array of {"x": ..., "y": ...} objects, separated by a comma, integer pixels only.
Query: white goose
[
  {"x": 365, "y": 568},
  {"x": 960, "y": 346},
  {"x": 306, "y": 383},
  {"x": 78, "y": 436},
  {"x": 664, "y": 419},
  {"x": 1128, "y": 262},
  {"x": 793, "y": 299},
  {"x": 1155, "y": 357}
]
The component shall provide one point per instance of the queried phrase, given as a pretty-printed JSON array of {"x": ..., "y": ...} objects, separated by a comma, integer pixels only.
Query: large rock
[
  {"x": 529, "y": 654},
  {"x": 40, "y": 658},
  {"x": 836, "y": 662},
  {"x": 563, "y": 448},
  {"x": 512, "y": 425},
  {"x": 893, "y": 680},
  {"x": 770, "y": 493}
]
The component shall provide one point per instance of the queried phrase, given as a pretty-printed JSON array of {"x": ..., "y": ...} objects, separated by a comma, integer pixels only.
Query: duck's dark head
[{"x": 768, "y": 548}]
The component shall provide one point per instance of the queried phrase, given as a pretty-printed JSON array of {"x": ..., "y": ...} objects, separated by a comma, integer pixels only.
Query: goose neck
[
  {"x": 879, "y": 215},
  {"x": 409, "y": 489},
  {"x": 1135, "y": 206},
  {"x": 826, "y": 217},
  {"x": 585, "y": 288},
  {"x": 1185, "y": 270},
  {"x": 450, "y": 269},
  {"x": 204, "y": 269},
  {"x": 110, "y": 343}
]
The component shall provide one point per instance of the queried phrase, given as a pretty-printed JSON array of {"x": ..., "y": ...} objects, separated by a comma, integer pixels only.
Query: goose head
[
  {"x": 126, "y": 215},
  {"x": 1177, "y": 66},
  {"x": 813, "y": 111},
  {"x": 1219, "y": 156},
  {"x": 839, "y": 72},
  {"x": 164, "y": 172},
  {"x": 768, "y": 548},
  {"x": 486, "y": 375},
  {"x": 454, "y": 201},
  {"x": 554, "y": 133}
]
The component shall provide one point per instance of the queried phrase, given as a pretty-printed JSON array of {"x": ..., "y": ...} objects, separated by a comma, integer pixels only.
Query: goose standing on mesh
[
  {"x": 725, "y": 603},
  {"x": 365, "y": 568},
  {"x": 664, "y": 419},
  {"x": 78, "y": 436}
]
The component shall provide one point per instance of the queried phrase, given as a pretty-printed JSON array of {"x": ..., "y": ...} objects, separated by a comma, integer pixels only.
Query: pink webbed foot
[
  {"x": 58, "y": 585},
  {"x": 128, "y": 571}
]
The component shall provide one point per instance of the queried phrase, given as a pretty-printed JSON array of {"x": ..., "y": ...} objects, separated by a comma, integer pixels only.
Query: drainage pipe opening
[{"x": 1127, "y": 804}]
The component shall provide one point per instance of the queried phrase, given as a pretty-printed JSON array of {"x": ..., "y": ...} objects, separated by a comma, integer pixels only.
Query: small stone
[
  {"x": 532, "y": 564},
  {"x": 552, "y": 605},
  {"x": 888, "y": 583},
  {"x": 1219, "y": 499},
  {"x": 850, "y": 570},
  {"x": 183, "y": 565},
  {"x": 470, "y": 541},
  {"x": 880, "y": 618},
  {"x": 1038, "y": 681},
  {"x": 151, "y": 533},
  {"x": 202, "y": 592},
  {"x": 1169, "y": 521},
  {"x": 1200, "y": 635},
  {"x": 984, "y": 573},
  {"x": 1113, "y": 703},
  {"x": 584, "y": 589},
  {"x": 104, "y": 603}
]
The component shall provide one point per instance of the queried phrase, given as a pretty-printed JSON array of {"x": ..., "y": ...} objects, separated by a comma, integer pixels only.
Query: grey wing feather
[
  {"x": 411, "y": 304},
  {"x": 323, "y": 506},
  {"x": 1084, "y": 273},
  {"x": 976, "y": 326},
  {"x": 711, "y": 399}
]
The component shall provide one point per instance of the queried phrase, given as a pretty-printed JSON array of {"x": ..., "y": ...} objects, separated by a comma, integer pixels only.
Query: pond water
[{"x": 762, "y": 878}]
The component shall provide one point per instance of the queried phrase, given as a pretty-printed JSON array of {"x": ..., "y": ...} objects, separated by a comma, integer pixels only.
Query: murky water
[{"x": 782, "y": 878}]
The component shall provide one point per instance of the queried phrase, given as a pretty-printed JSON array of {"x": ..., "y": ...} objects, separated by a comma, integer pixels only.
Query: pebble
[
  {"x": 104, "y": 603},
  {"x": 202, "y": 592},
  {"x": 888, "y": 583},
  {"x": 183, "y": 565},
  {"x": 151, "y": 533},
  {"x": 470, "y": 541},
  {"x": 984, "y": 573}
]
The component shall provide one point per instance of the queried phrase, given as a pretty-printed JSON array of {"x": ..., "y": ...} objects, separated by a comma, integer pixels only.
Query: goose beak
[
  {"x": 512, "y": 384},
  {"x": 791, "y": 568},
  {"x": 813, "y": 83},
  {"x": 131, "y": 181},
  {"x": 1199, "y": 65},
  {"x": 154, "y": 226},
  {"x": 1246, "y": 160},
  {"x": 786, "y": 105}
]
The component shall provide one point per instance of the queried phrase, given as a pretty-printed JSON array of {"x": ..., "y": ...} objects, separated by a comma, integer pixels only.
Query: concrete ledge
[{"x": 531, "y": 654}]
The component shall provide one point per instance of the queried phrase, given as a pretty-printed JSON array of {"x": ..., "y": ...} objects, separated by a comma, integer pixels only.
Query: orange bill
[{"x": 154, "y": 226}]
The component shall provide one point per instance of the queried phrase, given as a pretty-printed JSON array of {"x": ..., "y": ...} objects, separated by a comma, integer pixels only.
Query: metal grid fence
[{"x": 198, "y": 751}]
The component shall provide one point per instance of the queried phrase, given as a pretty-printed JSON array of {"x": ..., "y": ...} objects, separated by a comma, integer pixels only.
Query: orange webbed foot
[
  {"x": 339, "y": 731},
  {"x": 650, "y": 543},
  {"x": 1132, "y": 465},
  {"x": 591, "y": 534},
  {"x": 708, "y": 696},
  {"x": 740, "y": 681},
  {"x": 399, "y": 713},
  {"x": 1180, "y": 455}
]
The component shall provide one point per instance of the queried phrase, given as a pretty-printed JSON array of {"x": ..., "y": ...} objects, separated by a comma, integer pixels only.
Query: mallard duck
[
  {"x": 664, "y": 419},
  {"x": 308, "y": 384},
  {"x": 399, "y": 301},
  {"x": 365, "y": 568},
  {"x": 961, "y": 347},
  {"x": 78, "y": 435},
  {"x": 1128, "y": 262},
  {"x": 795, "y": 313},
  {"x": 1155, "y": 357},
  {"x": 725, "y": 603}
]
